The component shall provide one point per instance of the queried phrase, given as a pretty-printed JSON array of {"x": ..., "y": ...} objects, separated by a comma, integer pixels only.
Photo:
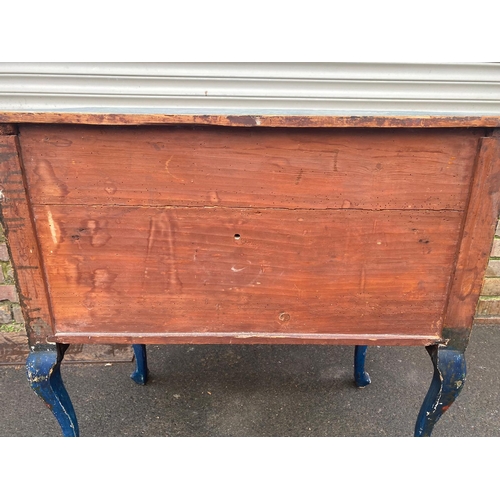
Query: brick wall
[
  {"x": 11, "y": 318},
  {"x": 13, "y": 343},
  {"x": 488, "y": 307}
]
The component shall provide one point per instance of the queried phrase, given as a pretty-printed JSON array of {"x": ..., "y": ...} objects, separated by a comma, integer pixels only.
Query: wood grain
[
  {"x": 394, "y": 339},
  {"x": 202, "y": 270},
  {"x": 155, "y": 166},
  {"x": 304, "y": 121},
  {"x": 479, "y": 228},
  {"x": 23, "y": 245}
]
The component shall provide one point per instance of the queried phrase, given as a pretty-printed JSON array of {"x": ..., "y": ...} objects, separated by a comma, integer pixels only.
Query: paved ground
[{"x": 262, "y": 391}]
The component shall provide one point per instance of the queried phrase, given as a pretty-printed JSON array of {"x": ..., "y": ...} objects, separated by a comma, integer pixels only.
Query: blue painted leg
[
  {"x": 361, "y": 377},
  {"x": 140, "y": 375},
  {"x": 447, "y": 382},
  {"x": 44, "y": 375}
]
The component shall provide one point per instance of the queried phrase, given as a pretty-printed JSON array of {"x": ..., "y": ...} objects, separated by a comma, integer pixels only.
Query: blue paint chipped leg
[
  {"x": 447, "y": 382},
  {"x": 140, "y": 375},
  {"x": 361, "y": 377},
  {"x": 43, "y": 368}
]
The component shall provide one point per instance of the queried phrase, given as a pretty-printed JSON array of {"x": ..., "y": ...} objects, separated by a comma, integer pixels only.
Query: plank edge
[
  {"x": 248, "y": 120},
  {"x": 247, "y": 338}
]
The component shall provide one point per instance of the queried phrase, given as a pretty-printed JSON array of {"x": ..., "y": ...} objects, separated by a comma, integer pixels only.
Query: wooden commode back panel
[{"x": 277, "y": 231}]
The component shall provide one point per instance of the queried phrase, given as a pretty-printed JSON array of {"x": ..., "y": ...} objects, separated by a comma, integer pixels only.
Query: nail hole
[{"x": 237, "y": 236}]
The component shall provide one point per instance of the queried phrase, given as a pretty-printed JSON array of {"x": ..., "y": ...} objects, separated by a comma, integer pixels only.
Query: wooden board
[
  {"x": 143, "y": 269},
  {"x": 22, "y": 241},
  {"x": 304, "y": 121},
  {"x": 477, "y": 237},
  {"x": 288, "y": 168},
  {"x": 14, "y": 345}
]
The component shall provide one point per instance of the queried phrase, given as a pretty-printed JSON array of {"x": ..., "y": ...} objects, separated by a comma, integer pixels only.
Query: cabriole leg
[
  {"x": 361, "y": 377},
  {"x": 140, "y": 375},
  {"x": 447, "y": 382},
  {"x": 44, "y": 375}
]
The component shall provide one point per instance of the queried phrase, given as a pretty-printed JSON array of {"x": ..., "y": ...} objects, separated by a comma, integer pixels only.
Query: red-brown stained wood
[
  {"x": 289, "y": 168},
  {"x": 17, "y": 220},
  {"x": 335, "y": 272},
  {"x": 8, "y": 129},
  {"x": 478, "y": 231},
  {"x": 305, "y": 121}
]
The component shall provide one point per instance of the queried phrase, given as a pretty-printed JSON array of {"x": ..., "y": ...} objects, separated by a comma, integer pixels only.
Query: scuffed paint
[
  {"x": 44, "y": 376},
  {"x": 447, "y": 382}
]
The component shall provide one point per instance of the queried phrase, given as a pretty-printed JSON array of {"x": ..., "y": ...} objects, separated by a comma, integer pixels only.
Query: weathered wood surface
[
  {"x": 102, "y": 194},
  {"x": 152, "y": 166},
  {"x": 479, "y": 228},
  {"x": 14, "y": 350},
  {"x": 134, "y": 269},
  {"x": 249, "y": 338},
  {"x": 304, "y": 121},
  {"x": 8, "y": 129},
  {"x": 20, "y": 232}
]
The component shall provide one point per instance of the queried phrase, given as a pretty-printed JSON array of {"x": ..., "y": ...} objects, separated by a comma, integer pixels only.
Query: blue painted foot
[
  {"x": 361, "y": 377},
  {"x": 140, "y": 375},
  {"x": 44, "y": 375},
  {"x": 447, "y": 382}
]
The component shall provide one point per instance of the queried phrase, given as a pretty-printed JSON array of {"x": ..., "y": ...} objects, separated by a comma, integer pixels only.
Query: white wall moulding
[{"x": 313, "y": 89}]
